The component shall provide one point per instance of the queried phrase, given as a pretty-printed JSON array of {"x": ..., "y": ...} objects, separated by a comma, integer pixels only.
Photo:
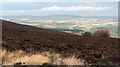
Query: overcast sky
[{"x": 64, "y": 7}]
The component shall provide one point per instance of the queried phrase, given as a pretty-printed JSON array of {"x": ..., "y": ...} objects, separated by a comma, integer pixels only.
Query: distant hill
[{"x": 16, "y": 37}]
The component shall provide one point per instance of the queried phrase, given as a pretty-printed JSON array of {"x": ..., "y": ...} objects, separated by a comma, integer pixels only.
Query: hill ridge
[{"x": 22, "y": 37}]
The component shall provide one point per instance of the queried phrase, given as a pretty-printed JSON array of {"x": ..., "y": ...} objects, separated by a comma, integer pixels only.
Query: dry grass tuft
[
  {"x": 11, "y": 58},
  {"x": 29, "y": 60},
  {"x": 73, "y": 61}
]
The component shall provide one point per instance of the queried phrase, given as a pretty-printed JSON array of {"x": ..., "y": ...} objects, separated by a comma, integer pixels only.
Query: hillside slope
[{"x": 16, "y": 36}]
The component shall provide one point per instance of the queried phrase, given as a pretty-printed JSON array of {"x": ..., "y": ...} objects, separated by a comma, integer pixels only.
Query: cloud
[
  {"x": 61, "y": 10},
  {"x": 64, "y": 9},
  {"x": 75, "y": 8}
]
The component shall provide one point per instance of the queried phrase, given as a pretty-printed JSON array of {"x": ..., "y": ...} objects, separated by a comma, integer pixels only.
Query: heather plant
[{"x": 88, "y": 34}]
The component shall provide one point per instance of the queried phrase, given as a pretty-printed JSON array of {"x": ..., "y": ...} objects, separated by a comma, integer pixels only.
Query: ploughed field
[{"x": 32, "y": 39}]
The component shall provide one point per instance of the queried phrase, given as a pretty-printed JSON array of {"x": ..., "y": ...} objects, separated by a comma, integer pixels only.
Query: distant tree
[
  {"x": 102, "y": 33},
  {"x": 88, "y": 34}
]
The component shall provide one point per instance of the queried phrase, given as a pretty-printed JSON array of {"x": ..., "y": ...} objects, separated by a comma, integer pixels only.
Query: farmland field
[{"x": 69, "y": 23}]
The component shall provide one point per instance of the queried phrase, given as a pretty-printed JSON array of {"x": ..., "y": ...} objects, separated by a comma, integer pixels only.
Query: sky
[
  {"x": 61, "y": 7},
  {"x": 59, "y": 0}
]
